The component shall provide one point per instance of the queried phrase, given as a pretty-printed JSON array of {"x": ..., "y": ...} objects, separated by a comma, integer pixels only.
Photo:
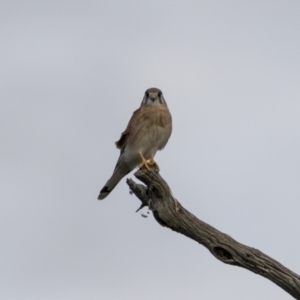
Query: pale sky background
[{"x": 72, "y": 73}]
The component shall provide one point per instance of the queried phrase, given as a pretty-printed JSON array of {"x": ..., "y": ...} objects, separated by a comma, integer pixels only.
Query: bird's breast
[{"x": 153, "y": 131}]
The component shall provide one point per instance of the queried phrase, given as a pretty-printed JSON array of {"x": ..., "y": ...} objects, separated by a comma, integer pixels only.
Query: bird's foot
[
  {"x": 144, "y": 162},
  {"x": 153, "y": 163}
]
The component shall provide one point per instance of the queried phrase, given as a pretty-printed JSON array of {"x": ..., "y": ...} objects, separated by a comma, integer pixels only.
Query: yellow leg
[
  {"x": 152, "y": 162},
  {"x": 144, "y": 162}
]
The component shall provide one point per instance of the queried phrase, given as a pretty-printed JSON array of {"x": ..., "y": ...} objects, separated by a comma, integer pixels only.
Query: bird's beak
[{"x": 153, "y": 96}]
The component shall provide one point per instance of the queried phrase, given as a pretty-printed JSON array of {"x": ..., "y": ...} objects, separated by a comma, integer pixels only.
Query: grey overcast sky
[{"x": 72, "y": 73}]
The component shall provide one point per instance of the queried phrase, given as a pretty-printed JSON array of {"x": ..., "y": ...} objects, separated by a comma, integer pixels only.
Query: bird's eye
[
  {"x": 147, "y": 94},
  {"x": 159, "y": 94}
]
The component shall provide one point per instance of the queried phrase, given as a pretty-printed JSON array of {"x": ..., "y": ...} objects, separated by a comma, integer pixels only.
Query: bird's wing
[
  {"x": 166, "y": 134},
  {"x": 122, "y": 142}
]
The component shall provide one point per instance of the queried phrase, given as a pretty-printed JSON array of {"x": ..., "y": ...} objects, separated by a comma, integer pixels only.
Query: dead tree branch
[{"x": 168, "y": 212}]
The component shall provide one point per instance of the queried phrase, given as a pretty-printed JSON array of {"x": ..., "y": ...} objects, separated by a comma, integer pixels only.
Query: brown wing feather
[{"x": 122, "y": 142}]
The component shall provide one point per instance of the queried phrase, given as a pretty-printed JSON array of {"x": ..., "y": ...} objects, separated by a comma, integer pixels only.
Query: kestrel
[{"x": 148, "y": 130}]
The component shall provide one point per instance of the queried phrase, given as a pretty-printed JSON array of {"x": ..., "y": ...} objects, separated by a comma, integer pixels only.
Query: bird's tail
[{"x": 111, "y": 183}]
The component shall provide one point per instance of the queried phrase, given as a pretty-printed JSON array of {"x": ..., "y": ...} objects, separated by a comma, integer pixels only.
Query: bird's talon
[
  {"x": 155, "y": 165},
  {"x": 144, "y": 162},
  {"x": 142, "y": 165}
]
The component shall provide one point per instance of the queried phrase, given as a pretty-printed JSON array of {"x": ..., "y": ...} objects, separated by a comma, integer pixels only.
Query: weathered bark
[{"x": 168, "y": 212}]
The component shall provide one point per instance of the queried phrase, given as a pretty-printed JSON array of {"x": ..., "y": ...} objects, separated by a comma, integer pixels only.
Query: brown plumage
[
  {"x": 143, "y": 119},
  {"x": 148, "y": 131}
]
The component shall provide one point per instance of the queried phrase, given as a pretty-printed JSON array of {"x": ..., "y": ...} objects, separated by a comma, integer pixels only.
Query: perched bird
[{"x": 148, "y": 130}]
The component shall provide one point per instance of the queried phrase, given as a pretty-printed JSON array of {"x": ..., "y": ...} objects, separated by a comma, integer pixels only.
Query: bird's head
[{"x": 153, "y": 96}]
